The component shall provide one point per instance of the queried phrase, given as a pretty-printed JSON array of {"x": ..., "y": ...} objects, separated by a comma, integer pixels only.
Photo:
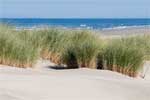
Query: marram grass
[
  {"x": 74, "y": 48},
  {"x": 121, "y": 56},
  {"x": 15, "y": 51},
  {"x": 83, "y": 46}
]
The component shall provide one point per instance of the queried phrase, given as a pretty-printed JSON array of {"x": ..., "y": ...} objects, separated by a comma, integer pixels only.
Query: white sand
[
  {"x": 125, "y": 32},
  {"x": 43, "y": 83},
  {"x": 146, "y": 70}
]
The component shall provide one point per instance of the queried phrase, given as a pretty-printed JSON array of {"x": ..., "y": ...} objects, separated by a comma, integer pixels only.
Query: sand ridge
[{"x": 44, "y": 83}]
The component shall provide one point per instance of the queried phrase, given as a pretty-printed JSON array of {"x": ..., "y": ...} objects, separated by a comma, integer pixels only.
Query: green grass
[
  {"x": 16, "y": 51},
  {"x": 52, "y": 43},
  {"x": 123, "y": 56},
  {"x": 69, "y": 57},
  {"x": 82, "y": 46},
  {"x": 74, "y": 48},
  {"x": 142, "y": 42}
]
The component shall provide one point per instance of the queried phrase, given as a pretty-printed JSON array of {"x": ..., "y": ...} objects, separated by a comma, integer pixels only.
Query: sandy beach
[
  {"x": 44, "y": 83},
  {"x": 74, "y": 49},
  {"x": 125, "y": 32}
]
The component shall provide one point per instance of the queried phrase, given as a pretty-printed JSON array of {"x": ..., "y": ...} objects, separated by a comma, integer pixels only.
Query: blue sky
[{"x": 75, "y": 8}]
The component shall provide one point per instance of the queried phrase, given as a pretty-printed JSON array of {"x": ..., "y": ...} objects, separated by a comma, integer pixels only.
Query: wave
[
  {"x": 82, "y": 26},
  {"x": 126, "y": 27}
]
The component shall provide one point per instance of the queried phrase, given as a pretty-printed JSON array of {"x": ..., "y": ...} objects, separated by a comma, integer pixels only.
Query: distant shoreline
[
  {"x": 78, "y": 23},
  {"x": 126, "y": 31},
  {"x": 144, "y": 30}
]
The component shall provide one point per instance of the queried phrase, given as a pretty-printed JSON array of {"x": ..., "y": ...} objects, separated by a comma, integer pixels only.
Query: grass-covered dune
[
  {"x": 73, "y": 48},
  {"x": 16, "y": 48}
]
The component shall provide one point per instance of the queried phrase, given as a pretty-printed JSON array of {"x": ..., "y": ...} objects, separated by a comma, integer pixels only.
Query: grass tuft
[{"x": 74, "y": 48}]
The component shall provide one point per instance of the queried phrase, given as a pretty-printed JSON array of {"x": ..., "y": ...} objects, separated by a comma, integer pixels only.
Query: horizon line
[{"x": 68, "y": 18}]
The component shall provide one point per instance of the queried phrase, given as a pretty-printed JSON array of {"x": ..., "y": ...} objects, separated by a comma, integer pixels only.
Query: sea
[{"x": 87, "y": 23}]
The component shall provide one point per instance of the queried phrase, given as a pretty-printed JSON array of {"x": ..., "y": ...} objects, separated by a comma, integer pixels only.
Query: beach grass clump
[
  {"x": 100, "y": 62},
  {"x": 86, "y": 53},
  {"x": 121, "y": 56},
  {"x": 51, "y": 43},
  {"x": 82, "y": 48},
  {"x": 74, "y": 48},
  {"x": 15, "y": 51},
  {"x": 142, "y": 42},
  {"x": 69, "y": 57}
]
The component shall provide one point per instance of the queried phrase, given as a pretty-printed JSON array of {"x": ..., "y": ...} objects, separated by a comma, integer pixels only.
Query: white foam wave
[{"x": 126, "y": 27}]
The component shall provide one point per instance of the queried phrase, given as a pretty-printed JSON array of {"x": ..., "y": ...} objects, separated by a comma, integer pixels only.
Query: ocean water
[{"x": 101, "y": 24}]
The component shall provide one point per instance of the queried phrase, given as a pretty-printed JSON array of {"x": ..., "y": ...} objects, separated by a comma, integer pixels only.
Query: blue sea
[{"x": 100, "y": 24}]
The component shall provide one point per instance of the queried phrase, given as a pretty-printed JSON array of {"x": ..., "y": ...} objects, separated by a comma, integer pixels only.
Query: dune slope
[{"x": 74, "y": 84}]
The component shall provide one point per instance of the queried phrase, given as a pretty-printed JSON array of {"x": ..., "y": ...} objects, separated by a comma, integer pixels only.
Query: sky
[{"x": 74, "y": 8}]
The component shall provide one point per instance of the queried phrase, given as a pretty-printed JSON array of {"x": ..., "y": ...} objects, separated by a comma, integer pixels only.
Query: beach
[
  {"x": 74, "y": 49},
  {"x": 125, "y": 31},
  {"x": 42, "y": 82}
]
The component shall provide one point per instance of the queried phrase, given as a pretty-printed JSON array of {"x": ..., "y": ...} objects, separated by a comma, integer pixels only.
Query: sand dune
[{"x": 43, "y": 83}]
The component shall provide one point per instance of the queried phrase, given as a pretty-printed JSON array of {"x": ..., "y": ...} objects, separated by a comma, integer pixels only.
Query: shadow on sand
[{"x": 59, "y": 67}]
